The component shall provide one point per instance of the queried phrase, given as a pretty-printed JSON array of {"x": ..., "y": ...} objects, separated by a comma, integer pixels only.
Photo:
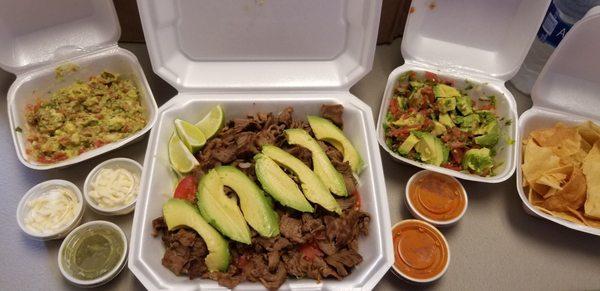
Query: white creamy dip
[
  {"x": 51, "y": 210},
  {"x": 114, "y": 187}
]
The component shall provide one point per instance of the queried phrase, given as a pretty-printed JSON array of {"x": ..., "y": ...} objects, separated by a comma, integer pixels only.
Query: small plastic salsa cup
[
  {"x": 421, "y": 253},
  {"x": 436, "y": 198}
]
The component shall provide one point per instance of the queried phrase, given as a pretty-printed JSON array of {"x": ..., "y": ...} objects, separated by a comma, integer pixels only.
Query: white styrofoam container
[
  {"x": 482, "y": 41},
  {"x": 260, "y": 56},
  {"x": 566, "y": 91},
  {"x": 35, "y": 40}
]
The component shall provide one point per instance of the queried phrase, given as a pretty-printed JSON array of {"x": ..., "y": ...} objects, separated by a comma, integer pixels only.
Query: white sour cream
[
  {"x": 114, "y": 187},
  {"x": 51, "y": 210}
]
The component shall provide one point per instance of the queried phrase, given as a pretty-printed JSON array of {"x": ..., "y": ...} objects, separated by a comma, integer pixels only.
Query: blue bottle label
[{"x": 553, "y": 28}]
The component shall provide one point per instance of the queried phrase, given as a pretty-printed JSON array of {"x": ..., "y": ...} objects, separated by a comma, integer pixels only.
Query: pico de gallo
[{"x": 432, "y": 121}]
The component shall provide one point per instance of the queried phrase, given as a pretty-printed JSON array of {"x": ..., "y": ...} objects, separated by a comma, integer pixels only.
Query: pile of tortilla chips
[{"x": 561, "y": 171}]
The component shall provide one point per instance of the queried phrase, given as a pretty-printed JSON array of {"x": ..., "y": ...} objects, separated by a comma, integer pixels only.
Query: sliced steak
[
  {"x": 344, "y": 259},
  {"x": 159, "y": 226},
  {"x": 334, "y": 113},
  {"x": 291, "y": 228}
]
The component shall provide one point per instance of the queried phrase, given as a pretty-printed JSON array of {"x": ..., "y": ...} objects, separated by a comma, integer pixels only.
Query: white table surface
[{"x": 495, "y": 246}]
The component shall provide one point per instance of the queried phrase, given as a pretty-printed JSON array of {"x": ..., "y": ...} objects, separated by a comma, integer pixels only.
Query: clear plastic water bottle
[{"x": 559, "y": 19}]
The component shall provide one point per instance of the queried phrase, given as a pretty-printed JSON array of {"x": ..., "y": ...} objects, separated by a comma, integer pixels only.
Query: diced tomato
[
  {"x": 451, "y": 166},
  {"x": 412, "y": 76},
  {"x": 404, "y": 131},
  {"x": 427, "y": 92},
  {"x": 98, "y": 143},
  {"x": 241, "y": 261},
  {"x": 456, "y": 144},
  {"x": 457, "y": 155},
  {"x": 432, "y": 77},
  {"x": 310, "y": 251},
  {"x": 395, "y": 108},
  {"x": 487, "y": 107},
  {"x": 427, "y": 124},
  {"x": 356, "y": 196},
  {"x": 186, "y": 189}
]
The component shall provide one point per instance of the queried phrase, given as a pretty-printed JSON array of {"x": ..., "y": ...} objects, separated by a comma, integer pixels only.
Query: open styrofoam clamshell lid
[
  {"x": 479, "y": 37},
  {"x": 570, "y": 80},
  {"x": 479, "y": 42},
  {"x": 37, "y": 37},
  {"x": 229, "y": 44},
  {"x": 53, "y": 31},
  {"x": 566, "y": 91}
]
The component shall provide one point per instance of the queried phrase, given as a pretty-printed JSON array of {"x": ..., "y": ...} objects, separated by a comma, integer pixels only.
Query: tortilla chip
[
  {"x": 537, "y": 161},
  {"x": 572, "y": 195},
  {"x": 561, "y": 170},
  {"x": 589, "y": 131},
  {"x": 591, "y": 170},
  {"x": 560, "y": 214},
  {"x": 534, "y": 198},
  {"x": 550, "y": 193},
  {"x": 552, "y": 180},
  {"x": 585, "y": 146}
]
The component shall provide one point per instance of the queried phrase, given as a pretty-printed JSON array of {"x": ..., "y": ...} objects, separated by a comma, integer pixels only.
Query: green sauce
[{"x": 93, "y": 252}]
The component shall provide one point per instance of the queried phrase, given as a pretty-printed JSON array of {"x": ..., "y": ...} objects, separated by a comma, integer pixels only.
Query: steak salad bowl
[{"x": 366, "y": 256}]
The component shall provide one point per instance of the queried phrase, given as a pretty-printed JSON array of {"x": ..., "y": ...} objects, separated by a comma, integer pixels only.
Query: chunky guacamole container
[
  {"x": 485, "y": 51},
  {"x": 286, "y": 55},
  {"x": 83, "y": 34}
]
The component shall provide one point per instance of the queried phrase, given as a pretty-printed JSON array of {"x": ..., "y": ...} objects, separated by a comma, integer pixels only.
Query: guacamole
[{"x": 83, "y": 116}]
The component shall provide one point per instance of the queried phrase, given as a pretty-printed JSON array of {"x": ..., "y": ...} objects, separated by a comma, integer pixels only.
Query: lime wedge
[
  {"x": 181, "y": 158},
  {"x": 212, "y": 122},
  {"x": 192, "y": 136}
]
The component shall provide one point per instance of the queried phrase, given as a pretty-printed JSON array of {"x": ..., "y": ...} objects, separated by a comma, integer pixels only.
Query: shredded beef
[
  {"x": 334, "y": 113},
  {"x": 342, "y": 259},
  {"x": 302, "y": 154},
  {"x": 291, "y": 228},
  {"x": 271, "y": 261}
]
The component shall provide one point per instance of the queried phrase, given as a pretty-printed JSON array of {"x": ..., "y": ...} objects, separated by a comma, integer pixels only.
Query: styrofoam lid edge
[
  {"x": 208, "y": 60},
  {"x": 570, "y": 80},
  {"x": 489, "y": 38}
]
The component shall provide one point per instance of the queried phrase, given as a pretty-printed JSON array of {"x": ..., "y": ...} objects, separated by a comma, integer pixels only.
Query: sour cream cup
[
  {"x": 422, "y": 215},
  {"x": 35, "y": 192},
  {"x": 128, "y": 164}
]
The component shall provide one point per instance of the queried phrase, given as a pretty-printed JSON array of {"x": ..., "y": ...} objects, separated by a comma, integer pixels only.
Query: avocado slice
[
  {"x": 446, "y": 104},
  {"x": 279, "y": 185},
  {"x": 408, "y": 144},
  {"x": 464, "y": 104},
  {"x": 179, "y": 212},
  {"x": 326, "y": 131},
  {"x": 219, "y": 210},
  {"x": 470, "y": 122},
  {"x": 416, "y": 119},
  {"x": 322, "y": 166},
  {"x": 257, "y": 210},
  {"x": 311, "y": 185},
  {"x": 438, "y": 128},
  {"x": 445, "y": 91},
  {"x": 478, "y": 160},
  {"x": 491, "y": 135},
  {"x": 431, "y": 149},
  {"x": 446, "y": 120}
]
